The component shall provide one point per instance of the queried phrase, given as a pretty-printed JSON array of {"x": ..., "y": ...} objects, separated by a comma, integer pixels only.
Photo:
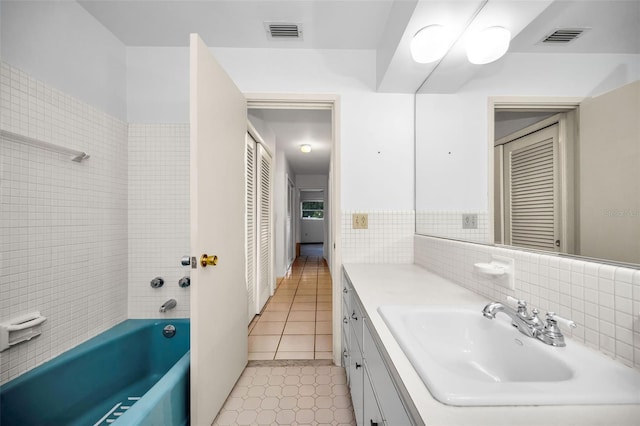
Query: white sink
[{"x": 465, "y": 359}]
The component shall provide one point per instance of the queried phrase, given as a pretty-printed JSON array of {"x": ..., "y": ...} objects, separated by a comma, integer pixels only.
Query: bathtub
[{"x": 129, "y": 375}]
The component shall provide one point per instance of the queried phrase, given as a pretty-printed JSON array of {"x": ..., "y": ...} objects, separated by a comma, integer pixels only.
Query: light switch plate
[
  {"x": 469, "y": 221},
  {"x": 360, "y": 221}
]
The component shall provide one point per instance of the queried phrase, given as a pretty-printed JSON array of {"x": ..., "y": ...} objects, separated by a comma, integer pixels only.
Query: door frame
[
  {"x": 523, "y": 104},
  {"x": 332, "y": 103}
]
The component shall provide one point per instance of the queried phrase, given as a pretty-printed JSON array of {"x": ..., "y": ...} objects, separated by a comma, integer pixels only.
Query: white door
[
  {"x": 290, "y": 223},
  {"x": 218, "y": 117},
  {"x": 264, "y": 229},
  {"x": 609, "y": 175},
  {"x": 531, "y": 191},
  {"x": 251, "y": 229}
]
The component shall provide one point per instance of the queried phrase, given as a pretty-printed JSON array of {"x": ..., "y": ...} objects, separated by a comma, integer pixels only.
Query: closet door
[
  {"x": 532, "y": 207},
  {"x": 290, "y": 225},
  {"x": 264, "y": 230},
  {"x": 251, "y": 227}
]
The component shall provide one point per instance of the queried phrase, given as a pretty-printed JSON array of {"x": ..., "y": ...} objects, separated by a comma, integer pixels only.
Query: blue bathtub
[{"x": 129, "y": 375}]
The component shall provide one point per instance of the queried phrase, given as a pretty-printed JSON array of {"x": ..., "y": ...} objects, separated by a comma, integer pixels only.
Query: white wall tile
[
  {"x": 603, "y": 300},
  {"x": 158, "y": 217},
  {"x": 388, "y": 239},
  {"x": 63, "y": 225},
  {"x": 448, "y": 224}
]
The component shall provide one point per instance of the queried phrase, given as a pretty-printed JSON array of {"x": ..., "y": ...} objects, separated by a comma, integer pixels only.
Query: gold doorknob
[{"x": 208, "y": 260}]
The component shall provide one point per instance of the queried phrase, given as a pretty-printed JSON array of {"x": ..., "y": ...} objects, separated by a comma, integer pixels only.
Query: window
[{"x": 312, "y": 209}]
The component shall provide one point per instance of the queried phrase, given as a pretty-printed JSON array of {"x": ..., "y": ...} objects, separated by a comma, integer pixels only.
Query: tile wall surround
[
  {"x": 388, "y": 239},
  {"x": 158, "y": 217},
  {"x": 449, "y": 225},
  {"x": 603, "y": 300},
  {"x": 63, "y": 225}
]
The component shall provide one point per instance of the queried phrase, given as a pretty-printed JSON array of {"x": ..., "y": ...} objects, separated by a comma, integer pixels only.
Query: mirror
[{"x": 460, "y": 174}]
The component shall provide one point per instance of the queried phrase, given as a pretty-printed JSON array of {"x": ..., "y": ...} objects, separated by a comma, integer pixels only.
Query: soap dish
[{"x": 498, "y": 268}]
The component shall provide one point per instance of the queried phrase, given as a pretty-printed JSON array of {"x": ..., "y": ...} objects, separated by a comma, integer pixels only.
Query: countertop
[{"x": 405, "y": 284}]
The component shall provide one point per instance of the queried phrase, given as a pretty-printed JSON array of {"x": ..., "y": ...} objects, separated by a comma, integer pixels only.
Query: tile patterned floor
[
  {"x": 289, "y": 393},
  {"x": 296, "y": 322}
]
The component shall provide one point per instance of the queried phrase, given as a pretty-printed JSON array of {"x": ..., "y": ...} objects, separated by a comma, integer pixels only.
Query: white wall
[
  {"x": 63, "y": 231},
  {"x": 376, "y": 129},
  {"x": 312, "y": 231},
  {"x": 157, "y": 84},
  {"x": 61, "y": 44},
  {"x": 452, "y": 148},
  {"x": 282, "y": 173}
]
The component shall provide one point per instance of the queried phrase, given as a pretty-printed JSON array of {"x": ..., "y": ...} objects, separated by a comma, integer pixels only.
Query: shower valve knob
[
  {"x": 157, "y": 282},
  {"x": 184, "y": 282}
]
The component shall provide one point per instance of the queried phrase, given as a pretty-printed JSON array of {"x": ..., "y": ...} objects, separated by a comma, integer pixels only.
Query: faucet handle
[
  {"x": 518, "y": 304},
  {"x": 551, "y": 316},
  {"x": 514, "y": 302}
]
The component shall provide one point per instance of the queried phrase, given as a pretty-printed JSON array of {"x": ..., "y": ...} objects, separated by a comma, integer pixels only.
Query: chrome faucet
[
  {"x": 530, "y": 324},
  {"x": 169, "y": 304}
]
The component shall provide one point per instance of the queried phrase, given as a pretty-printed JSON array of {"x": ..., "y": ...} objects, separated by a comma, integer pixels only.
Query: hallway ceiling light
[
  {"x": 430, "y": 44},
  {"x": 306, "y": 148},
  {"x": 488, "y": 45}
]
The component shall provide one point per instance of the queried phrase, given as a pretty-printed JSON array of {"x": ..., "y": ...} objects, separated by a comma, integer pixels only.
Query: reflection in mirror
[
  {"x": 570, "y": 183},
  {"x": 593, "y": 182}
]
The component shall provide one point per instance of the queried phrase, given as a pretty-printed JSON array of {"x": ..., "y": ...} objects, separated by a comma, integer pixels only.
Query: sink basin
[{"x": 465, "y": 359}]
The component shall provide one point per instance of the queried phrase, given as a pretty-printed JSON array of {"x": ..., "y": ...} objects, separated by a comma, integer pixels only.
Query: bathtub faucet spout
[{"x": 169, "y": 304}]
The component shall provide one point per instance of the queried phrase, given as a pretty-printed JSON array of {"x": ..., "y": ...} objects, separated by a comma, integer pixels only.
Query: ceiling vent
[
  {"x": 563, "y": 35},
  {"x": 281, "y": 30}
]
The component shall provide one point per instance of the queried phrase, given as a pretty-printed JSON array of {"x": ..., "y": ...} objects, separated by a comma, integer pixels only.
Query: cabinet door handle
[
  {"x": 344, "y": 290},
  {"x": 353, "y": 315},
  {"x": 345, "y": 353},
  {"x": 358, "y": 365},
  {"x": 345, "y": 320}
]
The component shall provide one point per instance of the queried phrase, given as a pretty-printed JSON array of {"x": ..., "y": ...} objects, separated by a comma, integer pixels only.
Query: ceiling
[
  {"x": 295, "y": 127},
  {"x": 386, "y": 26},
  {"x": 346, "y": 24}
]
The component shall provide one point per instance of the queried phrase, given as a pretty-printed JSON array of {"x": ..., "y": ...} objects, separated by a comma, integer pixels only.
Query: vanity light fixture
[
  {"x": 430, "y": 44},
  {"x": 306, "y": 148},
  {"x": 488, "y": 45}
]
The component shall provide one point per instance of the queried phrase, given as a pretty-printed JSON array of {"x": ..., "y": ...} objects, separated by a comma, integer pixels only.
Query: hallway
[
  {"x": 290, "y": 378},
  {"x": 296, "y": 322}
]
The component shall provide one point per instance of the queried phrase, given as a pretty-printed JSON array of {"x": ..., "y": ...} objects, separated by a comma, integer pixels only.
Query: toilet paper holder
[{"x": 20, "y": 329}]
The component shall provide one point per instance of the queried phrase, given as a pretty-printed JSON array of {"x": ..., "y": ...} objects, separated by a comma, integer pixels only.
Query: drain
[{"x": 169, "y": 331}]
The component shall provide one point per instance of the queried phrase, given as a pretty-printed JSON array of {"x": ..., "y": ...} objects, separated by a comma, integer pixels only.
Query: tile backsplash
[
  {"x": 63, "y": 225},
  {"x": 448, "y": 223},
  {"x": 387, "y": 239},
  {"x": 603, "y": 300},
  {"x": 158, "y": 217}
]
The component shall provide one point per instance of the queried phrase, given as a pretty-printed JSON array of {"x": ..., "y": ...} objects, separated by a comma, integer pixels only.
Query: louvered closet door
[
  {"x": 251, "y": 226},
  {"x": 264, "y": 230},
  {"x": 532, "y": 209}
]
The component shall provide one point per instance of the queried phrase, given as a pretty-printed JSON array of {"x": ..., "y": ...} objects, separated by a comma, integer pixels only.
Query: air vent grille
[
  {"x": 564, "y": 36},
  {"x": 283, "y": 30}
]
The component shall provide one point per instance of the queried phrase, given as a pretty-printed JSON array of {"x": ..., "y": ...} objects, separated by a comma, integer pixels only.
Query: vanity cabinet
[{"x": 376, "y": 401}]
